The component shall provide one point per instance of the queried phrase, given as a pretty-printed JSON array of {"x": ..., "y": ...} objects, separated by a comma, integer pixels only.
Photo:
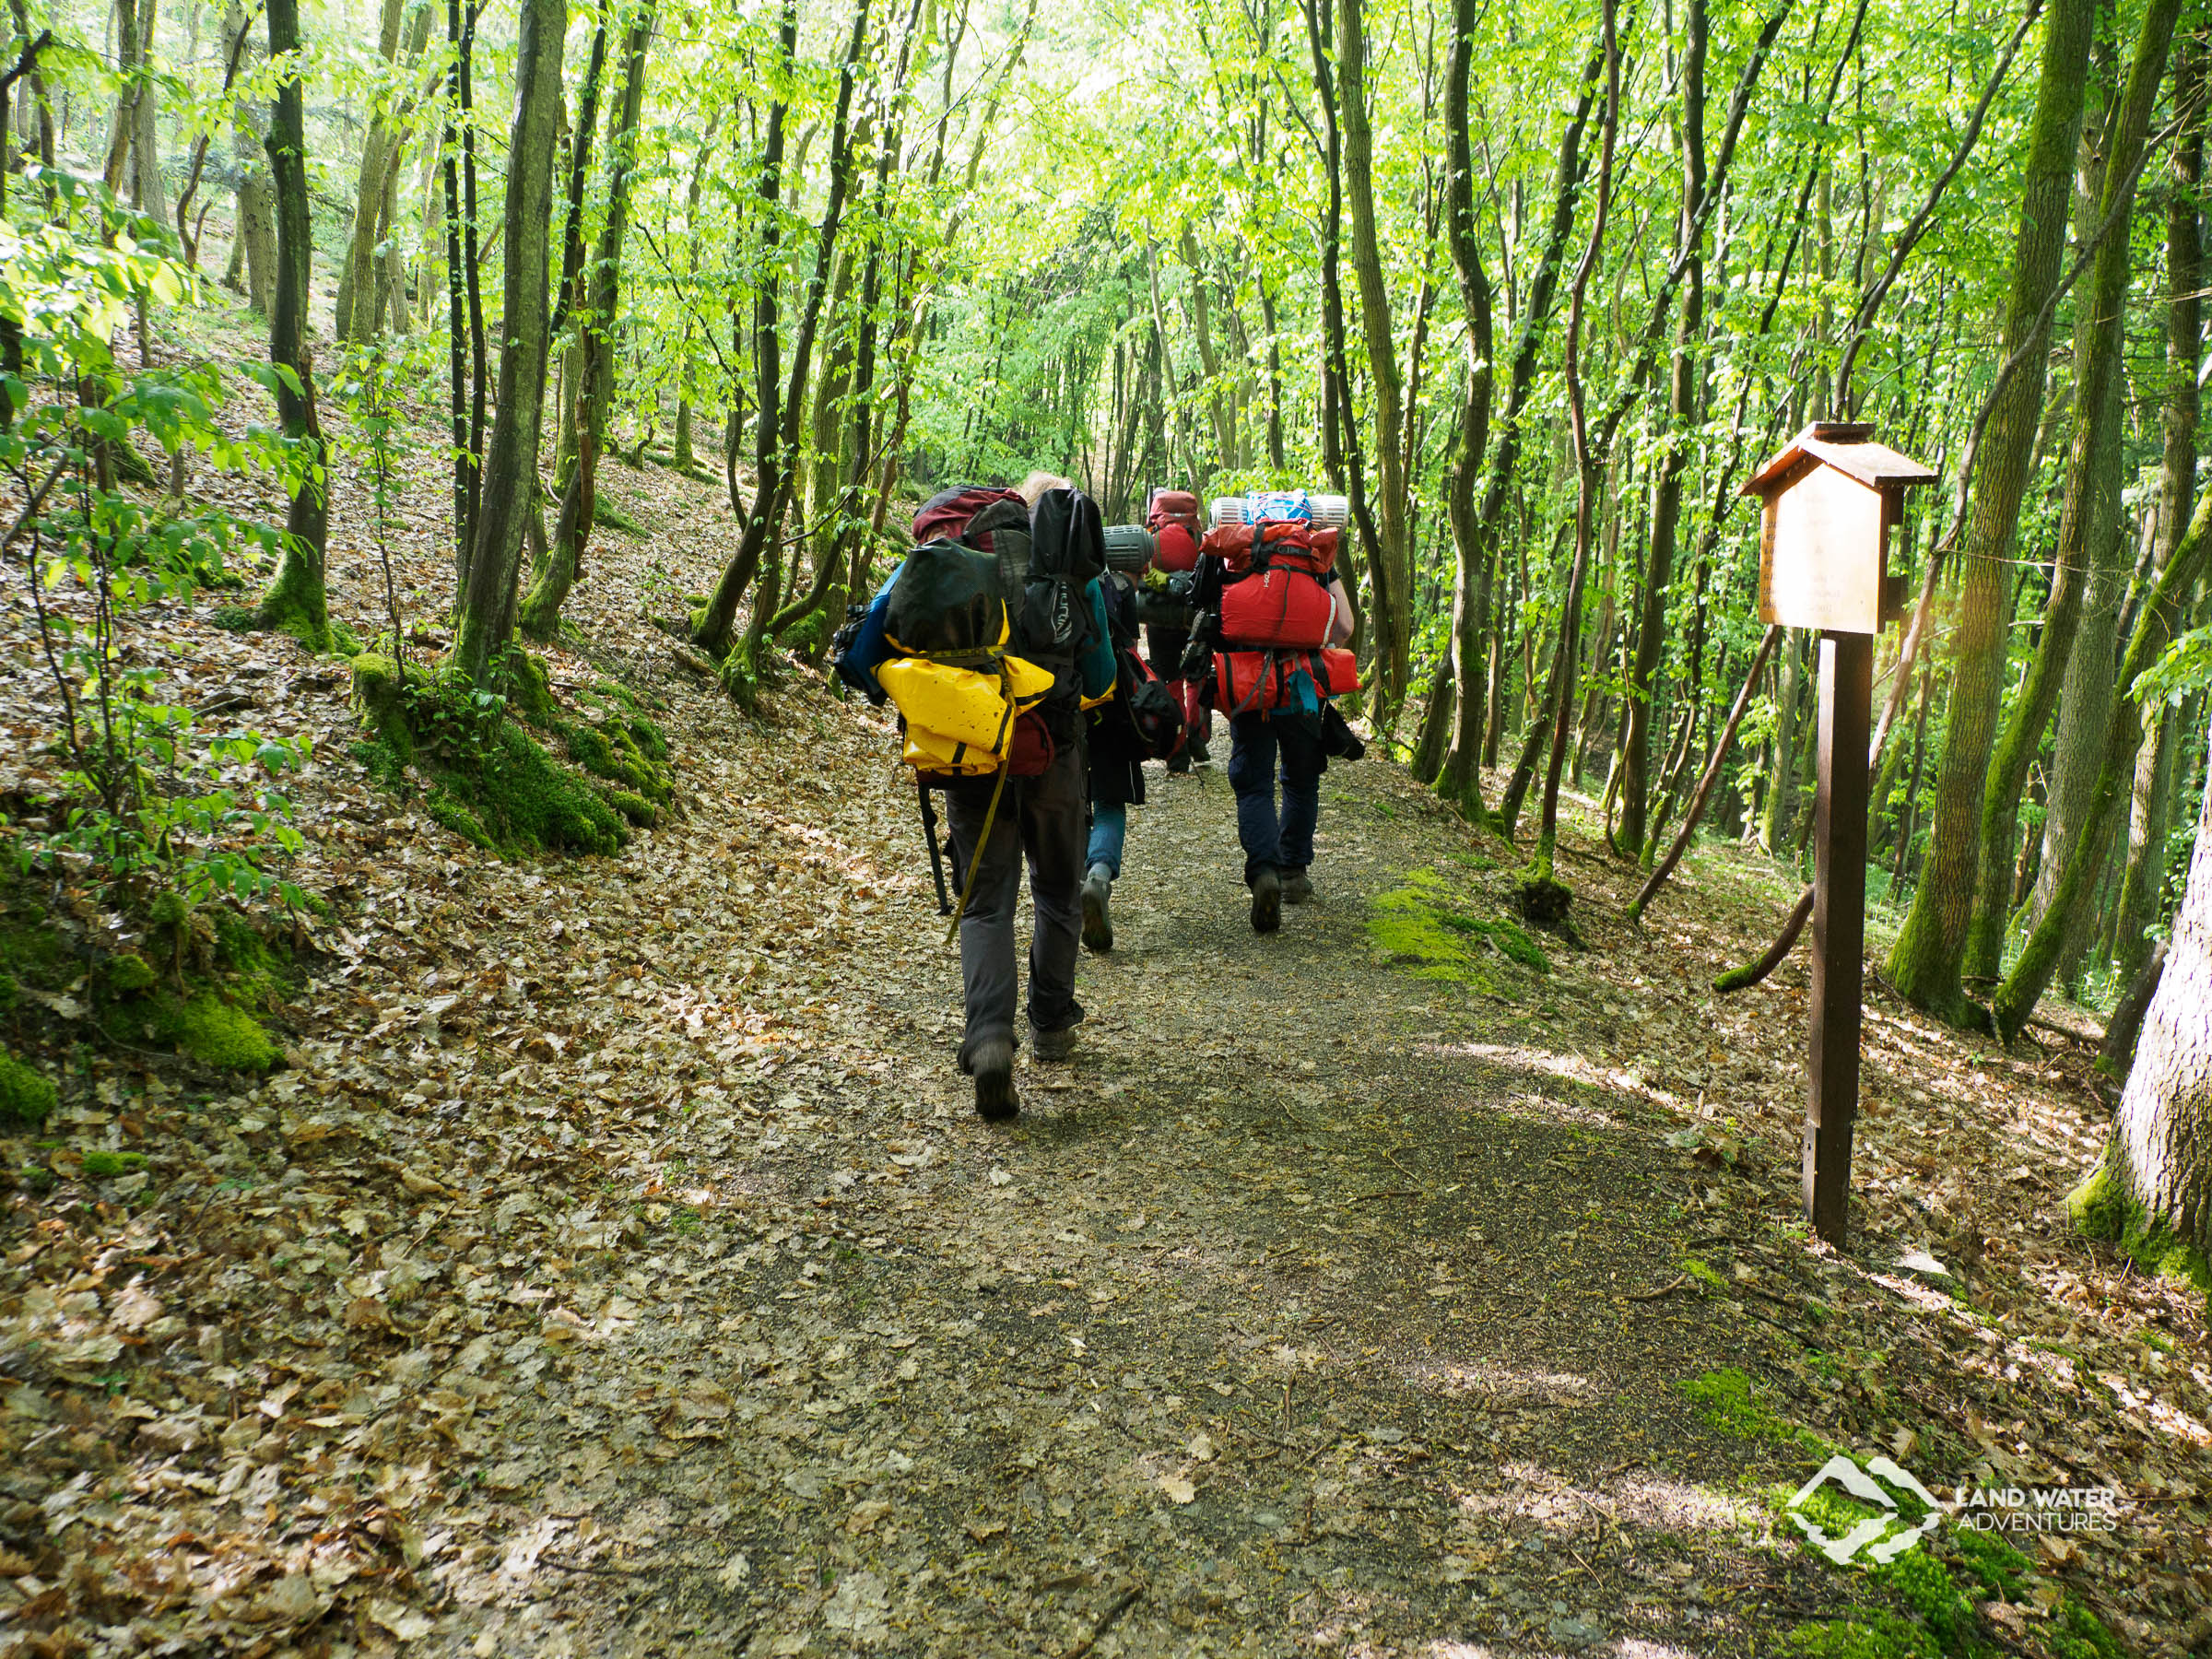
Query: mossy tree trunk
[
  {"x": 2152, "y": 1191},
  {"x": 1926, "y": 962},
  {"x": 1478, "y": 530},
  {"x": 2152, "y": 798},
  {"x": 2089, "y": 566},
  {"x": 2156, "y": 626},
  {"x": 256, "y": 224},
  {"x": 593, "y": 385},
  {"x": 1392, "y": 569},
  {"x": 296, "y": 601},
  {"x": 1685, "y": 394},
  {"x": 507, "y": 493},
  {"x": 357, "y": 277}
]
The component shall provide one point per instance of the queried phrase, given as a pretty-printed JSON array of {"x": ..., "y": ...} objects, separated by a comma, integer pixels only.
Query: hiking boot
[
  {"x": 1056, "y": 1048},
  {"x": 1266, "y": 901},
  {"x": 1297, "y": 889},
  {"x": 995, "y": 1102},
  {"x": 1097, "y": 926}
]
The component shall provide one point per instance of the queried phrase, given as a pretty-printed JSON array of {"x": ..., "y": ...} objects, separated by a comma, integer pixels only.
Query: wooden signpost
[{"x": 1831, "y": 499}]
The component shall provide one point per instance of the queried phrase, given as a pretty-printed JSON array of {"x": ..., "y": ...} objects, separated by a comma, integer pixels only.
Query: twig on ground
[
  {"x": 1663, "y": 1290},
  {"x": 1386, "y": 1193},
  {"x": 1121, "y": 1604}
]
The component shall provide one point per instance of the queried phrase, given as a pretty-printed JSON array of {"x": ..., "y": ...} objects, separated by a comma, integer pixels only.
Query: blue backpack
[{"x": 863, "y": 644}]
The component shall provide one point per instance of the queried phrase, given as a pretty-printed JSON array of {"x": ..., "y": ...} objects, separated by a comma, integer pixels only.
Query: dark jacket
[{"x": 1117, "y": 760}]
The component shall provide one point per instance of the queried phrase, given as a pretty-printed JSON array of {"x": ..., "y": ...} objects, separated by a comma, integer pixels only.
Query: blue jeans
[
  {"x": 1283, "y": 840},
  {"x": 1109, "y": 829}
]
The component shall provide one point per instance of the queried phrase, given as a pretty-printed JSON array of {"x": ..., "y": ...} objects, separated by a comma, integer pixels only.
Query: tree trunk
[
  {"x": 781, "y": 407},
  {"x": 2151, "y": 800},
  {"x": 1393, "y": 573},
  {"x": 1684, "y": 397},
  {"x": 1782, "y": 771},
  {"x": 147, "y": 189},
  {"x": 123, "y": 132},
  {"x": 2156, "y": 626},
  {"x": 509, "y": 482},
  {"x": 1541, "y": 894},
  {"x": 2089, "y": 570},
  {"x": 2152, "y": 1192},
  {"x": 356, "y": 276},
  {"x": 594, "y": 382},
  {"x": 296, "y": 601},
  {"x": 256, "y": 223},
  {"x": 1477, "y": 532},
  {"x": 1927, "y": 961}
]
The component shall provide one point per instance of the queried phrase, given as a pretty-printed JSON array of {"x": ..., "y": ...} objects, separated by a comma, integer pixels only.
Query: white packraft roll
[{"x": 1322, "y": 511}]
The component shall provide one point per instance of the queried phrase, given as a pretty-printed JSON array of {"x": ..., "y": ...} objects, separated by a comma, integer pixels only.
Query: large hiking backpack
[
  {"x": 1058, "y": 622},
  {"x": 1173, "y": 519},
  {"x": 948, "y": 598},
  {"x": 1277, "y": 608},
  {"x": 994, "y": 522}
]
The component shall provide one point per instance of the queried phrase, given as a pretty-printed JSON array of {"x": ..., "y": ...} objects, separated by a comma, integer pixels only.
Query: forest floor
[{"x": 618, "y": 1265}]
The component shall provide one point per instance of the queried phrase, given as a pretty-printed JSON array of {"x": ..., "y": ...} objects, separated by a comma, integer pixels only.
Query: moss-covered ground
[{"x": 492, "y": 775}]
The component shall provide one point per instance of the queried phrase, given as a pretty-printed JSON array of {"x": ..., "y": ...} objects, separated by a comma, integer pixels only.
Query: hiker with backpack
[
  {"x": 1141, "y": 722},
  {"x": 989, "y": 637},
  {"x": 1271, "y": 608},
  {"x": 1172, "y": 517}
]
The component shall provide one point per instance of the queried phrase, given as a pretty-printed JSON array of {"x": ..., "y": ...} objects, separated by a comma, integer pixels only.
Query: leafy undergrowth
[{"x": 616, "y": 1265}]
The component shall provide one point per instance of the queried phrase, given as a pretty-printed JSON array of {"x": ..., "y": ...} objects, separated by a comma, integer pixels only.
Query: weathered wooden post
[{"x": 1831, "y": 499}]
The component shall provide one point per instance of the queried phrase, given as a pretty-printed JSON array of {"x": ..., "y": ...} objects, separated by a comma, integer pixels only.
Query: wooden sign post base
[{"x": 1839, "y": 928}]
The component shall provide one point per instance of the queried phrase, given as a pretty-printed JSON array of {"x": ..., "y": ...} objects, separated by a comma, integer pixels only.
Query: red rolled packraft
[
  {"x": 1281, "y": 606},
  {"x": 1244, "y": 680},
  {"x": 1176, "y": 547}
]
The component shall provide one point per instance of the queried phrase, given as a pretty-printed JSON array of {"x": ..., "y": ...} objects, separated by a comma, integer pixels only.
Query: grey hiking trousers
[{"x": 1041, "y": 820}]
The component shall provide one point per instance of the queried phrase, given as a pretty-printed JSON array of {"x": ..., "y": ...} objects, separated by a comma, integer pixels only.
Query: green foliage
[
  {"x": 146, "y": 799},
  {"x": 26, "y": 1095},
  {"x": 1703, "y": 1273},
  {"x": 101, "y": 1165},
  {"x": 2183, "y": 666}
]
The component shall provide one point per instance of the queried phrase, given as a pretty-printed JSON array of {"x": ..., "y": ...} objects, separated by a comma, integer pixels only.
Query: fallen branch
[
  {"x": 1389, "y": 1192},
  {"x": 1121, "y": 1604},
  {"x": 1663, "y": 1290}
]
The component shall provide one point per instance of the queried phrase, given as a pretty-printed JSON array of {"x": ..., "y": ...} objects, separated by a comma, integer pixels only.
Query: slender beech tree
[
  {"x": 594, "y": 388},
  {"x": 508, "y": 484},
  {"x": 2151, "y": 799},
  {"x": 1927, "y": 960},
  {"x": 2088, "y": 568},
  {"x": 296, "y": 601}
]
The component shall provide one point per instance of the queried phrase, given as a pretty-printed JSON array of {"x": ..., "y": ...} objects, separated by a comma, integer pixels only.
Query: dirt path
[{"x": 1298, "y": 1313}]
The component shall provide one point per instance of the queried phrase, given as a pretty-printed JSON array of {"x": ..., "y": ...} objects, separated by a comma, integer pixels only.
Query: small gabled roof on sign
[{"x": 1849, "y": 447}]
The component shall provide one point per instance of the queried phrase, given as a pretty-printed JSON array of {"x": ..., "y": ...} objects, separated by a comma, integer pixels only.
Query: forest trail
[{"x": 1297, "y": 1307}]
